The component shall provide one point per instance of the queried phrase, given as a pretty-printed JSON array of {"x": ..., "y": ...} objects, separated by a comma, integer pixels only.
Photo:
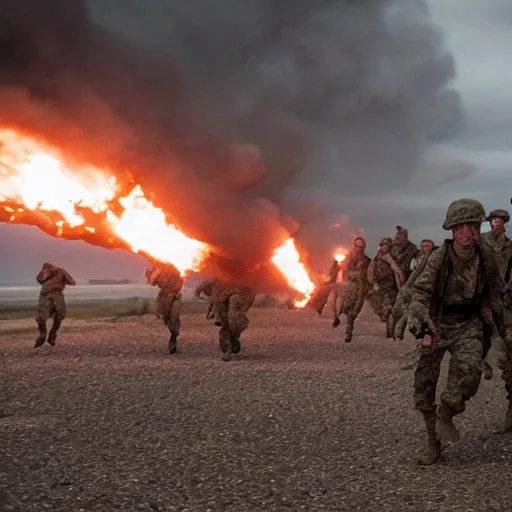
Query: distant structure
[{"x": 110, "y": 282}]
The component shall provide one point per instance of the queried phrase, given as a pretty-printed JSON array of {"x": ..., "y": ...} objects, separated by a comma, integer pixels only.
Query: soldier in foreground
[
  {"x": 51, "y": 303},
  {"x": 386, "y": 278},
  {"x": 403, "y": 251},
  {"x": 459, "y": 279},
  {"x": 170, "y": 298},
  {"x": 501, "y": 245},
  {"x": 351, "y": 292}
]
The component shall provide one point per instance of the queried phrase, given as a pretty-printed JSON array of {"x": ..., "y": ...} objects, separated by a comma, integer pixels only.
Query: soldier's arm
[
  {"x": 371, "y": 271},
  {"x": 45, "y": 273},
  {"x": 422, "y": 289},
  {"x": 499, "y": 299},
  {"x": 201, "y": 289},
  {"x": 399, "y": 275},
  {"x": 67, "y": 277}
]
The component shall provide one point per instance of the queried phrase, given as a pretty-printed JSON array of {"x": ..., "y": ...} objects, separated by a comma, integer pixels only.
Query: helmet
[
  {"x": 386, "y": 240},
  {"x": 499, "y": 214},
  {"x": 463, "y": 211}
]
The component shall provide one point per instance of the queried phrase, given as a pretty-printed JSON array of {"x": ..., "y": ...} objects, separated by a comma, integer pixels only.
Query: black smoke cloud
[{"x": 341, "y": 95}]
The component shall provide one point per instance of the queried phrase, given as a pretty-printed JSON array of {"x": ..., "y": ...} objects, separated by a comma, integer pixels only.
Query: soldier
[
  {"x": 170, "y": 297},
  {"x": 403, "y": 251},
  {"x": 403, "y": 298},
  {"x": 231, "y": 305},
  {"x": 324, "y": 289},
  {"x": 51, "y": 304},
  {"x": 501, "y": 245},
  {"x": 447, "y": 299},
  {"x": 386, "y": 278},
  {"x": 206, "y": 288},
  {"x": 351, "y": 292}
]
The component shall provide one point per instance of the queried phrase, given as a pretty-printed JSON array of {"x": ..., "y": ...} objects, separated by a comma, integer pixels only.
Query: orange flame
[
  {"x": 339, "y": 257},
  {"x": 33, "y": 177},
  {"x": 287, "y": 260},
  {"x": 83, "y": 200}
]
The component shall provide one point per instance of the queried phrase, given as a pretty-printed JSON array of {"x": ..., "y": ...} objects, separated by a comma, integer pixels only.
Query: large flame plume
[
  {"x": 34, "y": 180},
  {"x": 83, "y": 202},
  {"x": 287, "y": 260}
]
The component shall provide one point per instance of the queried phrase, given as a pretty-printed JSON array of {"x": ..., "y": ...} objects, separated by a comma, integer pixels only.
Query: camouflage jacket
[
  {"x": 355, "y": 268},
  {"x": 501, "y": 246},
  {"x": 166, "y": 277},
  {"x": 403, "y": 255},
  {"x": 53, "y": 279},
  {"x": 429, "y": 290},
  {"x": 206, "y": 287}
]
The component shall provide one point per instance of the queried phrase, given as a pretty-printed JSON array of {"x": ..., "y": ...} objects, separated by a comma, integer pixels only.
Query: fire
[
  {"x": 287, "y": 260},
  {"x": 38, "y": 187},
  {"x": 339, "y": 257},
  {"x": 34, "y": 178}
]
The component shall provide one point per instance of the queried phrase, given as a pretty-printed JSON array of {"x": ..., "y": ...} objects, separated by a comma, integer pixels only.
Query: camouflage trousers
[
  {"x": 382, "y": 302},
  {"x": 463, "y": 340},
  {"x": 349, "y": 300},
  {"x": 321, "y": 296},
  {"x": 168, "y": 307},
  {"x": 231, "y": 307},
  {"x": 50, "y": 305}
]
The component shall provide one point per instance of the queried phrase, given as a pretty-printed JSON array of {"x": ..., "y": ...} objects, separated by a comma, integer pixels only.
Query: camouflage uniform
[
  {"x": 351, "y": 292},
  {"x": 501, "y": 246},
  {"x": 403, "y": 251},
  {"x": 206, "y": 287},
  {"x": 231, "y": 305},
  {"x": 386, "y": 278},
  {"x": 170, "y": 298},
  {"x": 51, "y": 302},
  {"x": 448, "y": 298},
  {"x": 324, "y": 290},
  {"x": 404, "y": 295}
]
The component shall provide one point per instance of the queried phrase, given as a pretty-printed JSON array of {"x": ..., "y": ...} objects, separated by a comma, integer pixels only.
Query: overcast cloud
[{"x": 475, "y": 163}]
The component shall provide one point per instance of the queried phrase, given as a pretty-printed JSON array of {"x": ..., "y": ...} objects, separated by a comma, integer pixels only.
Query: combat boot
[
  {"x": 444, "y": 424},
  {"x": 432, "y": 451},
  {"x": 390, "y": 326},
  {"x": 349, "y": 330},
  {"x": 40, "y": 340},
  {"x": 42, "y": 333},
  {"x": 235, "y": 345},
  {"x": 508, "y": 418},
  {"x": 52, "y": 337},
  {"x": 227, "y": 354},
  {"x": 487, "y": 371},
  {"x": 336, "y": 322},
  {"x": 173, "y": 341}
]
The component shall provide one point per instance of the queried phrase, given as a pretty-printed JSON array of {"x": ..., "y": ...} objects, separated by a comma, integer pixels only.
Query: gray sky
[{"x": 474, "y": 164}]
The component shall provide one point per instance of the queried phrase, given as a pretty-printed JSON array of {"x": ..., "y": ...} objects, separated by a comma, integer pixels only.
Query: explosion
[
  {"x": 287, "y": 260},
  {"x": 85, "y": 202},
  {"x": 339, "y": 257},
  {"x": 82, "y": 202}
]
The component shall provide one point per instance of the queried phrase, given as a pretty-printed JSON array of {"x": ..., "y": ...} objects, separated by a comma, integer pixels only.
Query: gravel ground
[{"x": 108, "y": 421}]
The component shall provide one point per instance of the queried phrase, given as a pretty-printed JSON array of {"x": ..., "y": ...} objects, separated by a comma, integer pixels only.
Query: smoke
[{"x": 341, "y": 95}]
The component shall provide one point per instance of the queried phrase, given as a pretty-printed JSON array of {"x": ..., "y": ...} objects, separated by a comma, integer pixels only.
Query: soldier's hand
[
  {"x": 375, "y": 288},
  {"x": 508, "y": 336}
]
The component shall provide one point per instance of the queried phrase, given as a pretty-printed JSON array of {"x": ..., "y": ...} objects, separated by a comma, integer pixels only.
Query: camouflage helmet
[
  {"x": 386, "y": 240},
  {"x": 464, "y": 211},
  {"x": 499, "y": 214}
]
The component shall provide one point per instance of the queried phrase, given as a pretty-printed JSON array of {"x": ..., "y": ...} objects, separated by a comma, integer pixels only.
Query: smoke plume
[{"x": 221, "y": 108}]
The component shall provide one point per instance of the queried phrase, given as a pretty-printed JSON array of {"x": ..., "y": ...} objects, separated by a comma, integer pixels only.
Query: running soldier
[
  {"x": 51, "y": 303},
  {"x": 403, "y": 251},
  {"x": 351, "y": 292},
  {"x": 501, "y": 245},
  {"x": 170, "y": 298},
  {"x": 404, "y": 296},
  {"x": 386, "y": 278},
  {"x": 447, "y": 300}
]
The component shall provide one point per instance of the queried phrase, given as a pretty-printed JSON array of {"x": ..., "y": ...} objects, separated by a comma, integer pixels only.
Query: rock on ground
[{"x": 108, "y": 421}]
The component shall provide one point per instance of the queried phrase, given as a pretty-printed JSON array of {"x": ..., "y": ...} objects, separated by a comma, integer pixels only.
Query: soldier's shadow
[{"x": 490, "y": 448}]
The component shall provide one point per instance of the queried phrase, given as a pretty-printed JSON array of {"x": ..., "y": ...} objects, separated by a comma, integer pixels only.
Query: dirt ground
[{"x": 109, "y": 421}]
